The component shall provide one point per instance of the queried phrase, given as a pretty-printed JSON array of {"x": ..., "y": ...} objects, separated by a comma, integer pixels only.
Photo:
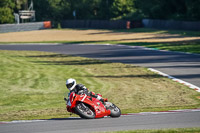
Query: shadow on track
[{"x": 59, "y": 119}]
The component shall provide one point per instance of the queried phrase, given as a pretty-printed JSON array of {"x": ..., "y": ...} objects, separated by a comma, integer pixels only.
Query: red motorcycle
[{"x": 89, "y": 107}]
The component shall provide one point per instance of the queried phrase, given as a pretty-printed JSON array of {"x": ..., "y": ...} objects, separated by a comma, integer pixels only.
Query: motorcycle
[{"x": 88, "y": 107}]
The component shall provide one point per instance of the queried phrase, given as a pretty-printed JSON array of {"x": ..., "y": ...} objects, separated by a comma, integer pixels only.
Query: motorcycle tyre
[
  {"x": 83, "y": 115},
  {"x": 113, "y": 113}
]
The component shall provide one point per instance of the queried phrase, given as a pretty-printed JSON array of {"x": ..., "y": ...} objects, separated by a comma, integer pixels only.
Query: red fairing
[
  {"x": 72, "y": 96},
  {"x": 100, "y": 110},
  {"x": 97, "y": 106},
  {"x": 69, "y": 103}
]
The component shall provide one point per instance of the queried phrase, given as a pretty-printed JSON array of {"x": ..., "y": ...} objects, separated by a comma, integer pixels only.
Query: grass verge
[
  {"x": 175, "y": 130},
  {"x": 190, "y": 47},
  {"x": 33, "y": 85}
]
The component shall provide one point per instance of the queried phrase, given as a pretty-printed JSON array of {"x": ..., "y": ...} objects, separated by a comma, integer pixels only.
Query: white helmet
[{"x": 71, "y": 83}]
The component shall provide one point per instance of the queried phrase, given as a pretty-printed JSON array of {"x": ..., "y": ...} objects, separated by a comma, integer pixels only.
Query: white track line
[
  {"x": 33, "y": 44},
  {"x": 21, "y": 121},
  {"x": 163, "y": 112}
]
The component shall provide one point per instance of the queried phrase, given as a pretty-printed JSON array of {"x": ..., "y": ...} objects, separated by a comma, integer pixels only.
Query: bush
[{"x": 6, "y": 15}]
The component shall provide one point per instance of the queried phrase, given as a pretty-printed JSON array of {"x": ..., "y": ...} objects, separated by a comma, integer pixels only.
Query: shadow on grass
[
  {"x": 147, "y": 30},
  {"x": 46, "y": 56},
  {"x": 160, "y": 31},
  {"x": 72, "y": 62},
  {"x": 82, "y": 62},
  {"x": 128, "y": 76},
  {"x": 120, "y": 41},
  {"x": 191, "y": 76},
  {"x": 118, "y": 30},
  {"x": 50, "y": 56}
]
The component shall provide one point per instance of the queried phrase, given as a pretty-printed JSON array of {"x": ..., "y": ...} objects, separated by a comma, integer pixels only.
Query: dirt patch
[{"x": 91, "y": 35}]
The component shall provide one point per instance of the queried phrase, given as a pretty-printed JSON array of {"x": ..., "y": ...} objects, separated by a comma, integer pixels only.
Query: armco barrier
[
  {"x": 170, "y": 24},
  {"x": 100, "y": 24},
  {"x": 24, "y": 26}
]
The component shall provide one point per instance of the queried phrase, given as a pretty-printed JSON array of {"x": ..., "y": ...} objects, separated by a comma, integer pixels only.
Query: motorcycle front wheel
[
  {"x": 115, "y": 111},
  {"x": 84, "y": 111}
]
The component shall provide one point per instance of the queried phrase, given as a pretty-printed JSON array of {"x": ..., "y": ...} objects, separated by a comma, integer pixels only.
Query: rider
[{"x": 80, "y": 89}]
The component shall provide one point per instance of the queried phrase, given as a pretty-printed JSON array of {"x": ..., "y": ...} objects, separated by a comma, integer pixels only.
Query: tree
[
  {"x": 121, "y": 8},
  {"x": 6, "y": 15},
  {"x": 6, "y": 11},
  {"x": 169, "y": 9},
  {"x": 193, "y": 10},
  {"x": 58, "y": 10}
]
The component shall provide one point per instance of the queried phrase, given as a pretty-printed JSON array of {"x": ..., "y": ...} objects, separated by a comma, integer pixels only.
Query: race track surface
[
  {"x": 131, "y": 122},
  {"x": 179, "y": 65}
]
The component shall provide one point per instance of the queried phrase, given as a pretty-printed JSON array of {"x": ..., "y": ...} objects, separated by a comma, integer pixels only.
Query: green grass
[
  {"x": 33, "y": 85},
  {"x": 190, "y": 47},
  {"x": 175, "y": 130}
]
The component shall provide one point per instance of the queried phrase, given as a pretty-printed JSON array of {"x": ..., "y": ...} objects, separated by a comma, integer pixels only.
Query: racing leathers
[{"x": 81, "y": 90}]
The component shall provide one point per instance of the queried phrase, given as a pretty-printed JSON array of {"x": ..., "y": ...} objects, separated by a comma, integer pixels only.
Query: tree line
[{"x": 57, "y": 10}]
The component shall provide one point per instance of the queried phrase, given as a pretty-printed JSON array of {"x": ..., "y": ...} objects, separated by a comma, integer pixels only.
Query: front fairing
[
  {"x": 100, "y": 109},
  {"x": 71, "y": 97}
]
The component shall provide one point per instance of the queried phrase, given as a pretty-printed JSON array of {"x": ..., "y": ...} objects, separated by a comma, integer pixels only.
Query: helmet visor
[{"x": 70, "y": 85}]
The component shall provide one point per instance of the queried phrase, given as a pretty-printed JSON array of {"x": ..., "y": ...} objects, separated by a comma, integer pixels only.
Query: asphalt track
[
  {"x": 180, "y": 65},
  {"x": 132, "y": 122}
]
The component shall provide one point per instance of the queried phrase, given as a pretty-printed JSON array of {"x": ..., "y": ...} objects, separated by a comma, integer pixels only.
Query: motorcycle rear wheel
[{"x": 84, "y": 111}]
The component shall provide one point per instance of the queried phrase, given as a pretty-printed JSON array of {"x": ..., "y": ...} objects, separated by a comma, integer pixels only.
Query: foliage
[
  {"x": 57, "y": 10},
  {"x": 122, "y": 7},
  {"x": 8, "y": 7},
  {"x": 6, "y": 11},
  {"x": 169, "y": 9},
  {"x": 6, "y": 15}
]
